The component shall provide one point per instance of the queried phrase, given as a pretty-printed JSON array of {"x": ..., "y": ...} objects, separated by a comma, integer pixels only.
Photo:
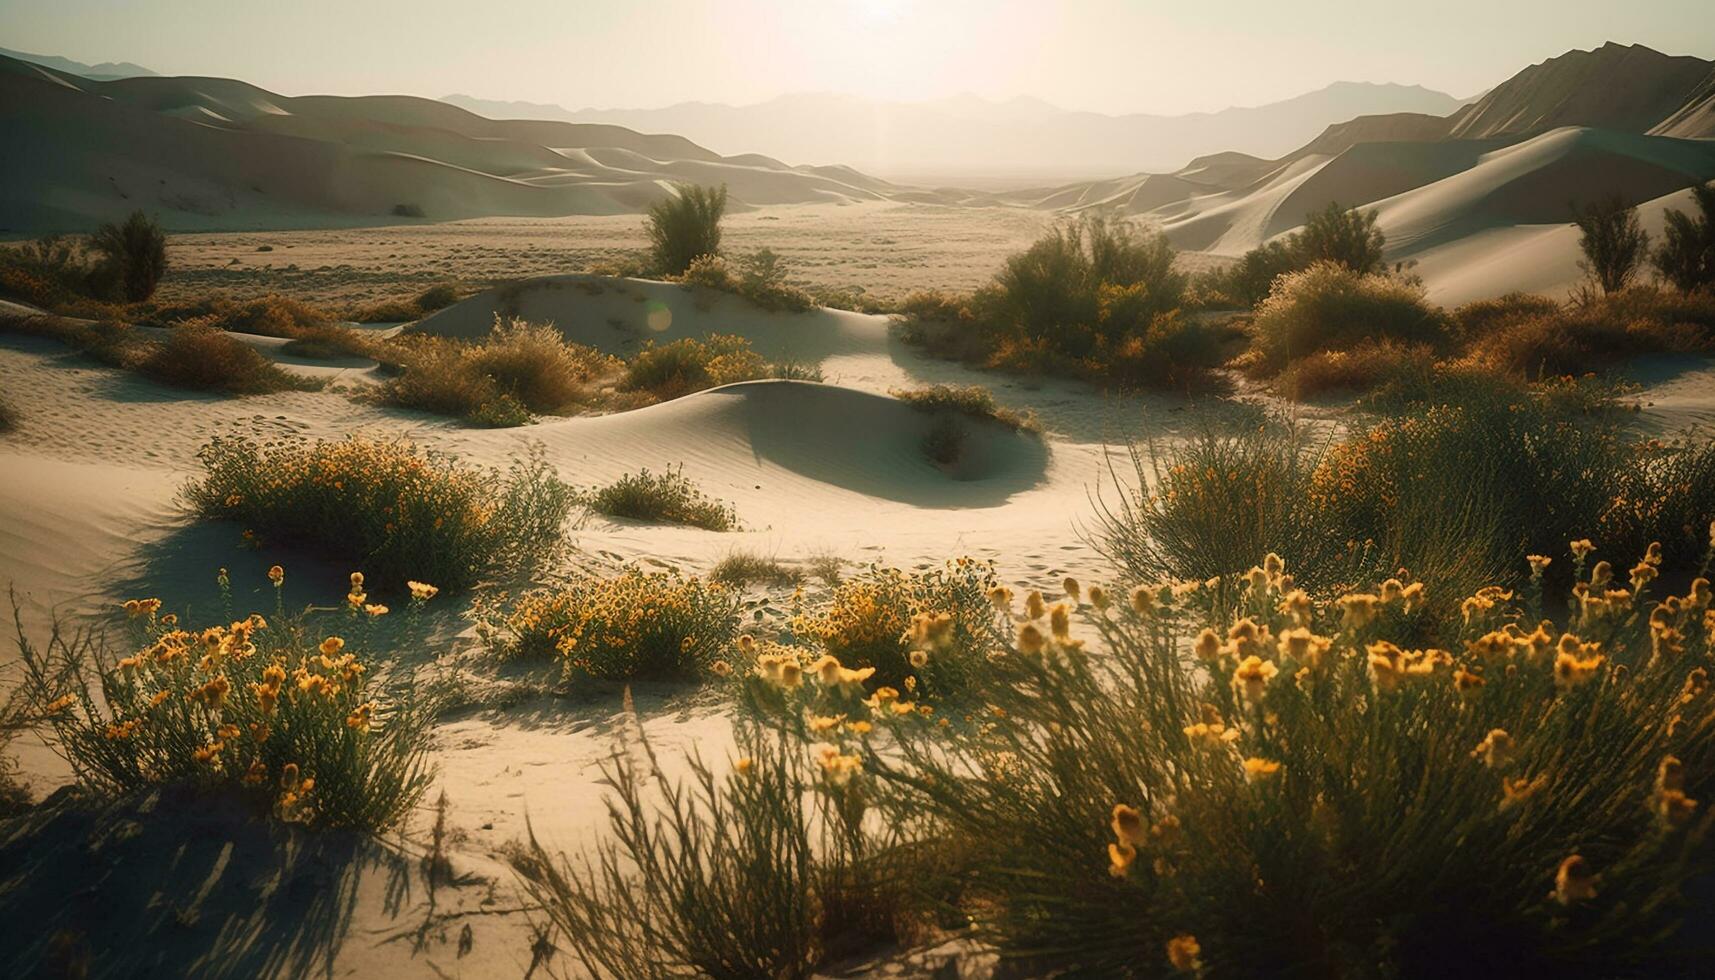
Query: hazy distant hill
[
  {"x": 945, "y": 139},
  {"x": 103, "y": 71},
  {"x": 1479, "y": 198},
  {"x": 214, "y": 153}
]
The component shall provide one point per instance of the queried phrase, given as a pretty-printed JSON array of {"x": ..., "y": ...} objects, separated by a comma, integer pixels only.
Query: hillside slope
[{"x": 215, "y": 154}]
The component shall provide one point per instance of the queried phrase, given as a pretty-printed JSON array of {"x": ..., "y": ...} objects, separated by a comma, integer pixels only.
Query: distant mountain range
[
  {"x": 214, "y": 154},
  {"x": 104, "y": 71},
  {"x": 953, "y": 139}
]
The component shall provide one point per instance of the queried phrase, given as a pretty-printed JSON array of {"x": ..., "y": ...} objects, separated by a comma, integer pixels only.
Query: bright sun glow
[{"x": 882, "y": 11}]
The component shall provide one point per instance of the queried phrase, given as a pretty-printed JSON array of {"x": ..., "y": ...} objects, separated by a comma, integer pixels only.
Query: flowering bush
[
  {"x": 669, "y": 497},
  {"x": 933, "y": 627},
  {"x": 394, "y": 509},
  {"x": 256, "y": 707},
  {"x": 1291, "y": 785},
  {"x": 635, "y": 624}
]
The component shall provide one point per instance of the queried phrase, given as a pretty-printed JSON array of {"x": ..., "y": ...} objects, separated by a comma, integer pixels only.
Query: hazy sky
[{"x": 1106, "y": 55}]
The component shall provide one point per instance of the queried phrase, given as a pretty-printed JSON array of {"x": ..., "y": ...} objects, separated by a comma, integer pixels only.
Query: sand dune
[{"x": 211, "y": 153}]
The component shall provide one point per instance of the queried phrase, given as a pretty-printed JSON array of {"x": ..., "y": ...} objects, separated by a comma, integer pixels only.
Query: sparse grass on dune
[
  {"x": 760, "y": 278},
  {"x": 1595, "y": 335},
  {"x": 668, "y": 497},
  {"x": 264, "y": 709},
  {"x": 741, "y": 569},
  {"x": 633, "y": 625},
  {"x": 975, "y": 401},
  {"x": 393, "y": 510}
]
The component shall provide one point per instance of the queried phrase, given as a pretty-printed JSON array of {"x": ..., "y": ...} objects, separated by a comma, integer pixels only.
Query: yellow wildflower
[
  {"x": 1573, "y": 881},
  {"x": 1185, "y": 954},
  {"x": 1120, "y": 858},
  {"x": 422, "y": 591},
  {"x": 277, "y": 575},
  {"x": 1496, "y": 749},
  {"x": 1128, "y": 824},
  {"x": 1251, "y": 677},
  {"x": 1259, "y": 769},
  {"x": 331, "y": 646}
]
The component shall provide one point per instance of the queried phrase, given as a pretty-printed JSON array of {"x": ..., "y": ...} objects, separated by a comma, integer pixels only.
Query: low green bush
[
  {"x": 668, "y": 497},
  {"x": 391, "y": 509}
]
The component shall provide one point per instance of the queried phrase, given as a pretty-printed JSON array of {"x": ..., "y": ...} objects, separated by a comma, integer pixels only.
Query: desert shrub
[
  {"x": 265, "y": 709},
  {"x": 685, "y": 225},
  {"x": 1312, "y": 793},
  {"x": 1368, "y": 366},
  {"x": 408, "y": 211},
  {"x": 975, "y": 401},
  {"x": 1686, "y": 257},
  {"x": 709, "y": 271},
  {"x": 766, "y": 870},
  {"x": 387, "y": 311},
  {"x": 1098, "y": 298},
  {"x": 134, "y": 255},
  {"x": 761, "y": 279},
  {"x": 668, "y": 497},
  {"x": 741, "y": 569},
  {"x": 1100, "y": 277},
  {"x": 923, "y": 631},
  {"x": 1247, "y": 282},
  {"x": 54, "y": 272},
  {"x": 1480, "y": 318},
  {"x": 1346, "y": 237},
  {"x": 1207, "y": 507},
  {"x": 1613, "y": 242},
  {"x": 518, "y": 369},
  {"x": 1597, "y": 334},
  {"x": 533, "y": 363},
  {"x": 437, "y": 297},
  {"x": 270, "y": 315},
  {"x": 205, "y": 359},
  {"x": 328, "y": 341},
  {"x": 676, "y": 369},
  {"x": 395, "y": 511},
  {"x": 1329, "y": 307},
  {"x": 634, "y": 625}
]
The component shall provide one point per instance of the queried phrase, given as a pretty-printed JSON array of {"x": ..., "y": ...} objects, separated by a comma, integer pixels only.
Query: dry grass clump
[
  {"x": 741, "y": 569},
  {"x": 668, "y": 497},
  {"x": 272, "y": 315},
  {"x": 394, "y": 510},
  {"x": 676, "y": 369},
  {"x": 1365, "y": 367},
  {"x": 205, "y": 359},
  {"x": 192, "y": 356},
  {"x": 405, "y": 309},
  {"x": 292, "y": 720},
  {"x": 330, "y": 341},
  {"x": 1550, "y": 341},
  {"x": 518, "y": 369},
  {"x": 923, "y": 632},
  {"x": 1328, "y": 307},
  {"x": 974, "y": 401},
  {"x": 633, "y": 625}
]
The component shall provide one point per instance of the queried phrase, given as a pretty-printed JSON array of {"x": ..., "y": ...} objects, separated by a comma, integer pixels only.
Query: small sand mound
[{"x": 787, "y": 443}]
